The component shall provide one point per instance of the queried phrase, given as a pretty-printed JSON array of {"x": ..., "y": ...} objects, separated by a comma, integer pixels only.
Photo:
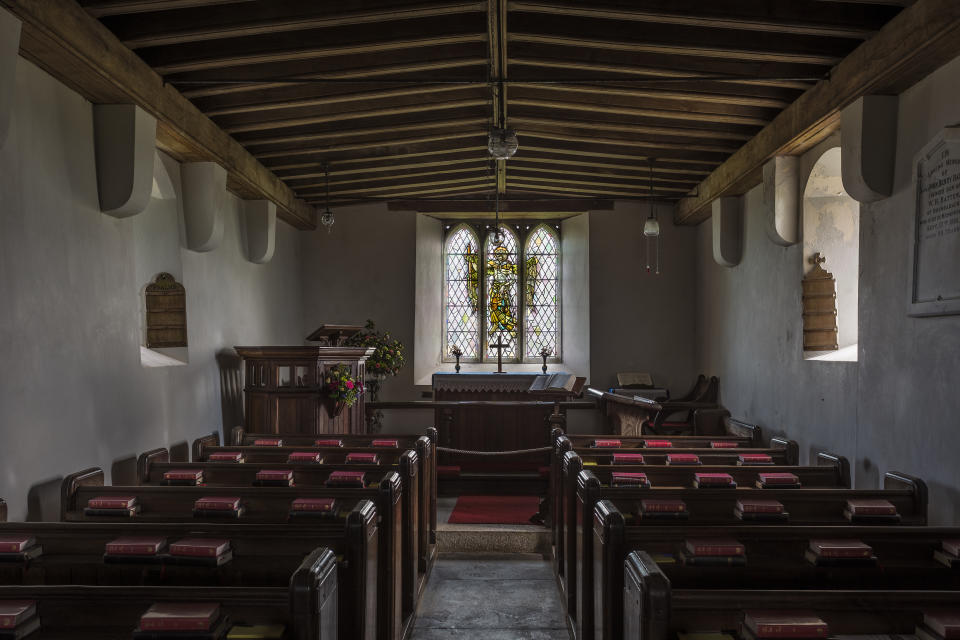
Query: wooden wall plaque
[
  {"x": 819, "y": 308},
  {"x": 166, "y": 313}
]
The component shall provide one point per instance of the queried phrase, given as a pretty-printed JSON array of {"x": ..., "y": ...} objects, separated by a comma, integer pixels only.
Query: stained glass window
[
  {"x": 502, "y": 290},
  {"x": 502, "y": 280},
  {"x": 542, "y": 293},
  {"x": 462, "y": 310}
]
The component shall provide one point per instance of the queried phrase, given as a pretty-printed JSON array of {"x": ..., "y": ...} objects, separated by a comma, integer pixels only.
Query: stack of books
[
  {"x": 778, "y": 481},
  {"x": 658, "y": 444},
  {"x": 607, "y": 444},
  {"x": 19, "y": 549},
  {"x": 362, "y": 458},
  {"x": 346, "y": 479},
  {"x": 948, "y": 554},
  {"x": 201, "y": 551},
  {"x": 713, "y": 481},
  {"x": 193, "y": 620},
  {"x": 723, "y": 444},
  {"x": 257, "y": 632},
  {"x": 305, "y": 457},
  {"x": 136, "y": 549},
  {"x": 713, "y": 552},
  {"x": 834, "y": 553},
  {"x": 274, "y": 478},
  {"x": 796, "y": 625},
  {"x": 188, "y": 477},
  {"x": 683, "y": 458},
  {"x": 747, "y": 459},
  {"x": 313, "y": 508},
  {"x": 218, "y": 507},
  {"x": 18, "y": 618},
  {"x": 391, "y": 444},
  {"x": 268, "y": 442},
  {"x": 123, "y": 506},
  {"x": 749, "y": 509},
  {"x": 871, "y": 512},
  {"x": 629, "y": 479},
  {"x": 328, "y": 443},
  {"x": 628, "y": 458},
  {"x": 226, "y": 456},
  {"x": 663, "y": 510},
  {"x": 939, "y": 625}
]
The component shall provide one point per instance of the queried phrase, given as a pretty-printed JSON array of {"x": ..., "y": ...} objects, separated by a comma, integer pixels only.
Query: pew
[
  {"x": 715, "y": 507},
  {"x": 564, "y": 479},
  {"x": 655, "y": 611},
  {"x": 425, "y": 450},
  {"x": 265, "y": 505},
  {"x": 307, "y": 606},
  {"x": 417, "y": 561},
  {"x": 775, "y": 559},
  {"x": 263, "y": 555}
]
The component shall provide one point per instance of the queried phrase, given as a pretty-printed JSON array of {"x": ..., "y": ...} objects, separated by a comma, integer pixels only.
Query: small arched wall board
[
  {"x": 203, "y": 189},
  {"x": 125, "y": 147},
  {"x": 868, "y": 139},
  {"x": 261, "y": 229},
  {"x": 726, "y": 231},
  {"x": 781, "y": 199},
  {"x": 9, "y": 48}
]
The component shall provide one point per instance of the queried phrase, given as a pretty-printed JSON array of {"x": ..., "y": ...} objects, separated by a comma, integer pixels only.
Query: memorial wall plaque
[{"x": 935, "y": 254}]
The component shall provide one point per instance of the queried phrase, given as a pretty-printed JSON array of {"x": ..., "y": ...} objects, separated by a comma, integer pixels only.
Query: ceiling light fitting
[
  {"x": 502, "y": 143},
  {"x": 326, "y": 218},
  {"x": 651, "y": 230}
]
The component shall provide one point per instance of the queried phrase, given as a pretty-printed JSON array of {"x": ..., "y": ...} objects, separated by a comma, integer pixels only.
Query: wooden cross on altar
[{"x": 500, "y": 346}]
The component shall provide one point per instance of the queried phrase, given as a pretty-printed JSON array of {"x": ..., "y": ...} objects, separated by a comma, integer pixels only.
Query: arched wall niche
[{"x": 831, "y": 228}]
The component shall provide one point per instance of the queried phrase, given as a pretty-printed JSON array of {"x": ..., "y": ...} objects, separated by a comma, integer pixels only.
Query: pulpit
[
  {"x": 494, "y": 427},
  {"x": 284, "y": 386}
]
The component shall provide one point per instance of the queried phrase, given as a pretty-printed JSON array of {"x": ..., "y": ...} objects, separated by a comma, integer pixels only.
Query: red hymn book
[{"x": 180, "y": 616}]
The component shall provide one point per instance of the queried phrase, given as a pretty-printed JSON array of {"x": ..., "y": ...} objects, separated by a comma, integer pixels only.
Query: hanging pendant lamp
[
  {"x": 651, "y": 230},
  {"x": 326, "y": 218}
]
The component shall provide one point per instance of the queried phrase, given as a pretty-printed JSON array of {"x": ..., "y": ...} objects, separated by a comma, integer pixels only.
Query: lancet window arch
[{"x": 502, "y": 289}]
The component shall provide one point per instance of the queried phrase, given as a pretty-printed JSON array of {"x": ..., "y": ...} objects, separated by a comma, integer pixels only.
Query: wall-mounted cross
[
  {"x": 500, "y": 346},
  {"x": 816, "y": 259}
]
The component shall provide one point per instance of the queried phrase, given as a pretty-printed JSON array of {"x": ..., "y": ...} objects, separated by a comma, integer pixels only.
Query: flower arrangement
[
  {"x": 387, "y": 358},
  {"x": 341, "y": 386}
]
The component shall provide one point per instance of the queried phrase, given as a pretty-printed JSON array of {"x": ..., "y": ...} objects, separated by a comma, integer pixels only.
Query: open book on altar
[{"x": 554, "y": 382}]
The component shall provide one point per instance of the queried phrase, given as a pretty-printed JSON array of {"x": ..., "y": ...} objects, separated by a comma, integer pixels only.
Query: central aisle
[{"x": 494, "y": 596}]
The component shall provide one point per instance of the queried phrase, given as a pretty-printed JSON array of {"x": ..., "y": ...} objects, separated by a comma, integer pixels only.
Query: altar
[{"x": 498, "y": 426}]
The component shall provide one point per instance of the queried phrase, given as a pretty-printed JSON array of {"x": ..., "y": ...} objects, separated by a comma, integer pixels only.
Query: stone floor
[{"x": 493, "y": 596}]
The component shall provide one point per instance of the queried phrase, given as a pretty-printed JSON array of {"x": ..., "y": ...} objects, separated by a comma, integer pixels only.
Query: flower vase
[{"x": 334, "y": 407}]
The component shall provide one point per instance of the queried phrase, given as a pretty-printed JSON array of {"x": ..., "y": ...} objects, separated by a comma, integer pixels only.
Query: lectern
[{"x": 284, "y": 390}]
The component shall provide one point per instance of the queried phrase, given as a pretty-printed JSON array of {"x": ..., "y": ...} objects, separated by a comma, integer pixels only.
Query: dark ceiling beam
[
  {"x": 792, "y": 18},
  {"x": 272, "y": 17},
  {"x": 531, "y": 166},
  {"x": 637, "y": 167},
  {"x": 637, "y": 112},
  {"x": 591, "y": 184},
  {"x": 584, "y": 191},
  {"x": 401, "y": 155},
  {"x": 76, "y": 49},
  {"x": 355, "y": 115},
  {"x": 238, "y": 54},
  {"x": 621, "y": 141},
  {"x": 587, "y": 126},
  {"x": 373, "y": 145},
  {"x": 336, "y": 170},
  {"x": 667, "y": 49},
  {"x": 360, "y": 73},
  {"x": 917, "y": 41},
  {"x": 474, "y": 124},
  {"x": 579, "y": 151},
  {"x": 507, "y": 206},
  {"x": 103, "y": 8},
  {"x": 447, "y": 182},
  {"x": 464, "y": 187},
  {"x": 277, "y": 103},
  {"x": 478, "y": 168},
  {"x": 649, "y": 72},
  {"x": 656, "y": 93}
]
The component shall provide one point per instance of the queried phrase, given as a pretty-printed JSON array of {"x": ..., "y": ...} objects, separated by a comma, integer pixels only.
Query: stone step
[{"x": 503, "y": 538}]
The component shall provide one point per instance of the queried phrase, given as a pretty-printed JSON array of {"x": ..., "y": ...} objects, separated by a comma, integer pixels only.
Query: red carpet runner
[{"x": 494, "y": 509}]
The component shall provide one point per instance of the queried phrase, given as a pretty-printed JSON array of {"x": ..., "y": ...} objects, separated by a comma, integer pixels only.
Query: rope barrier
[{"x": 495, "y": 453}]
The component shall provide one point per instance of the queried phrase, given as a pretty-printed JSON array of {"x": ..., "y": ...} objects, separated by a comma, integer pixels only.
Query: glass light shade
[
  {"x": 327, "y": 219},
  {"x": 502, "y": 143},
  {"x": 651, "y": 228}
]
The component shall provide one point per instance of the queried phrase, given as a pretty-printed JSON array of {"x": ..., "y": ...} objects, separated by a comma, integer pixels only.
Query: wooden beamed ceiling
[{"x": 393, "y": 99}]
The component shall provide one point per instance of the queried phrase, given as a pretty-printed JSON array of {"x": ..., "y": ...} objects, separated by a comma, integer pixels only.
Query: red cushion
[{"x": 544, "y": 472}]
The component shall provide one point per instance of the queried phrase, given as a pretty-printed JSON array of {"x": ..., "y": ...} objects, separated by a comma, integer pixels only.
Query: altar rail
[{"x": 557, "y": 418}]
